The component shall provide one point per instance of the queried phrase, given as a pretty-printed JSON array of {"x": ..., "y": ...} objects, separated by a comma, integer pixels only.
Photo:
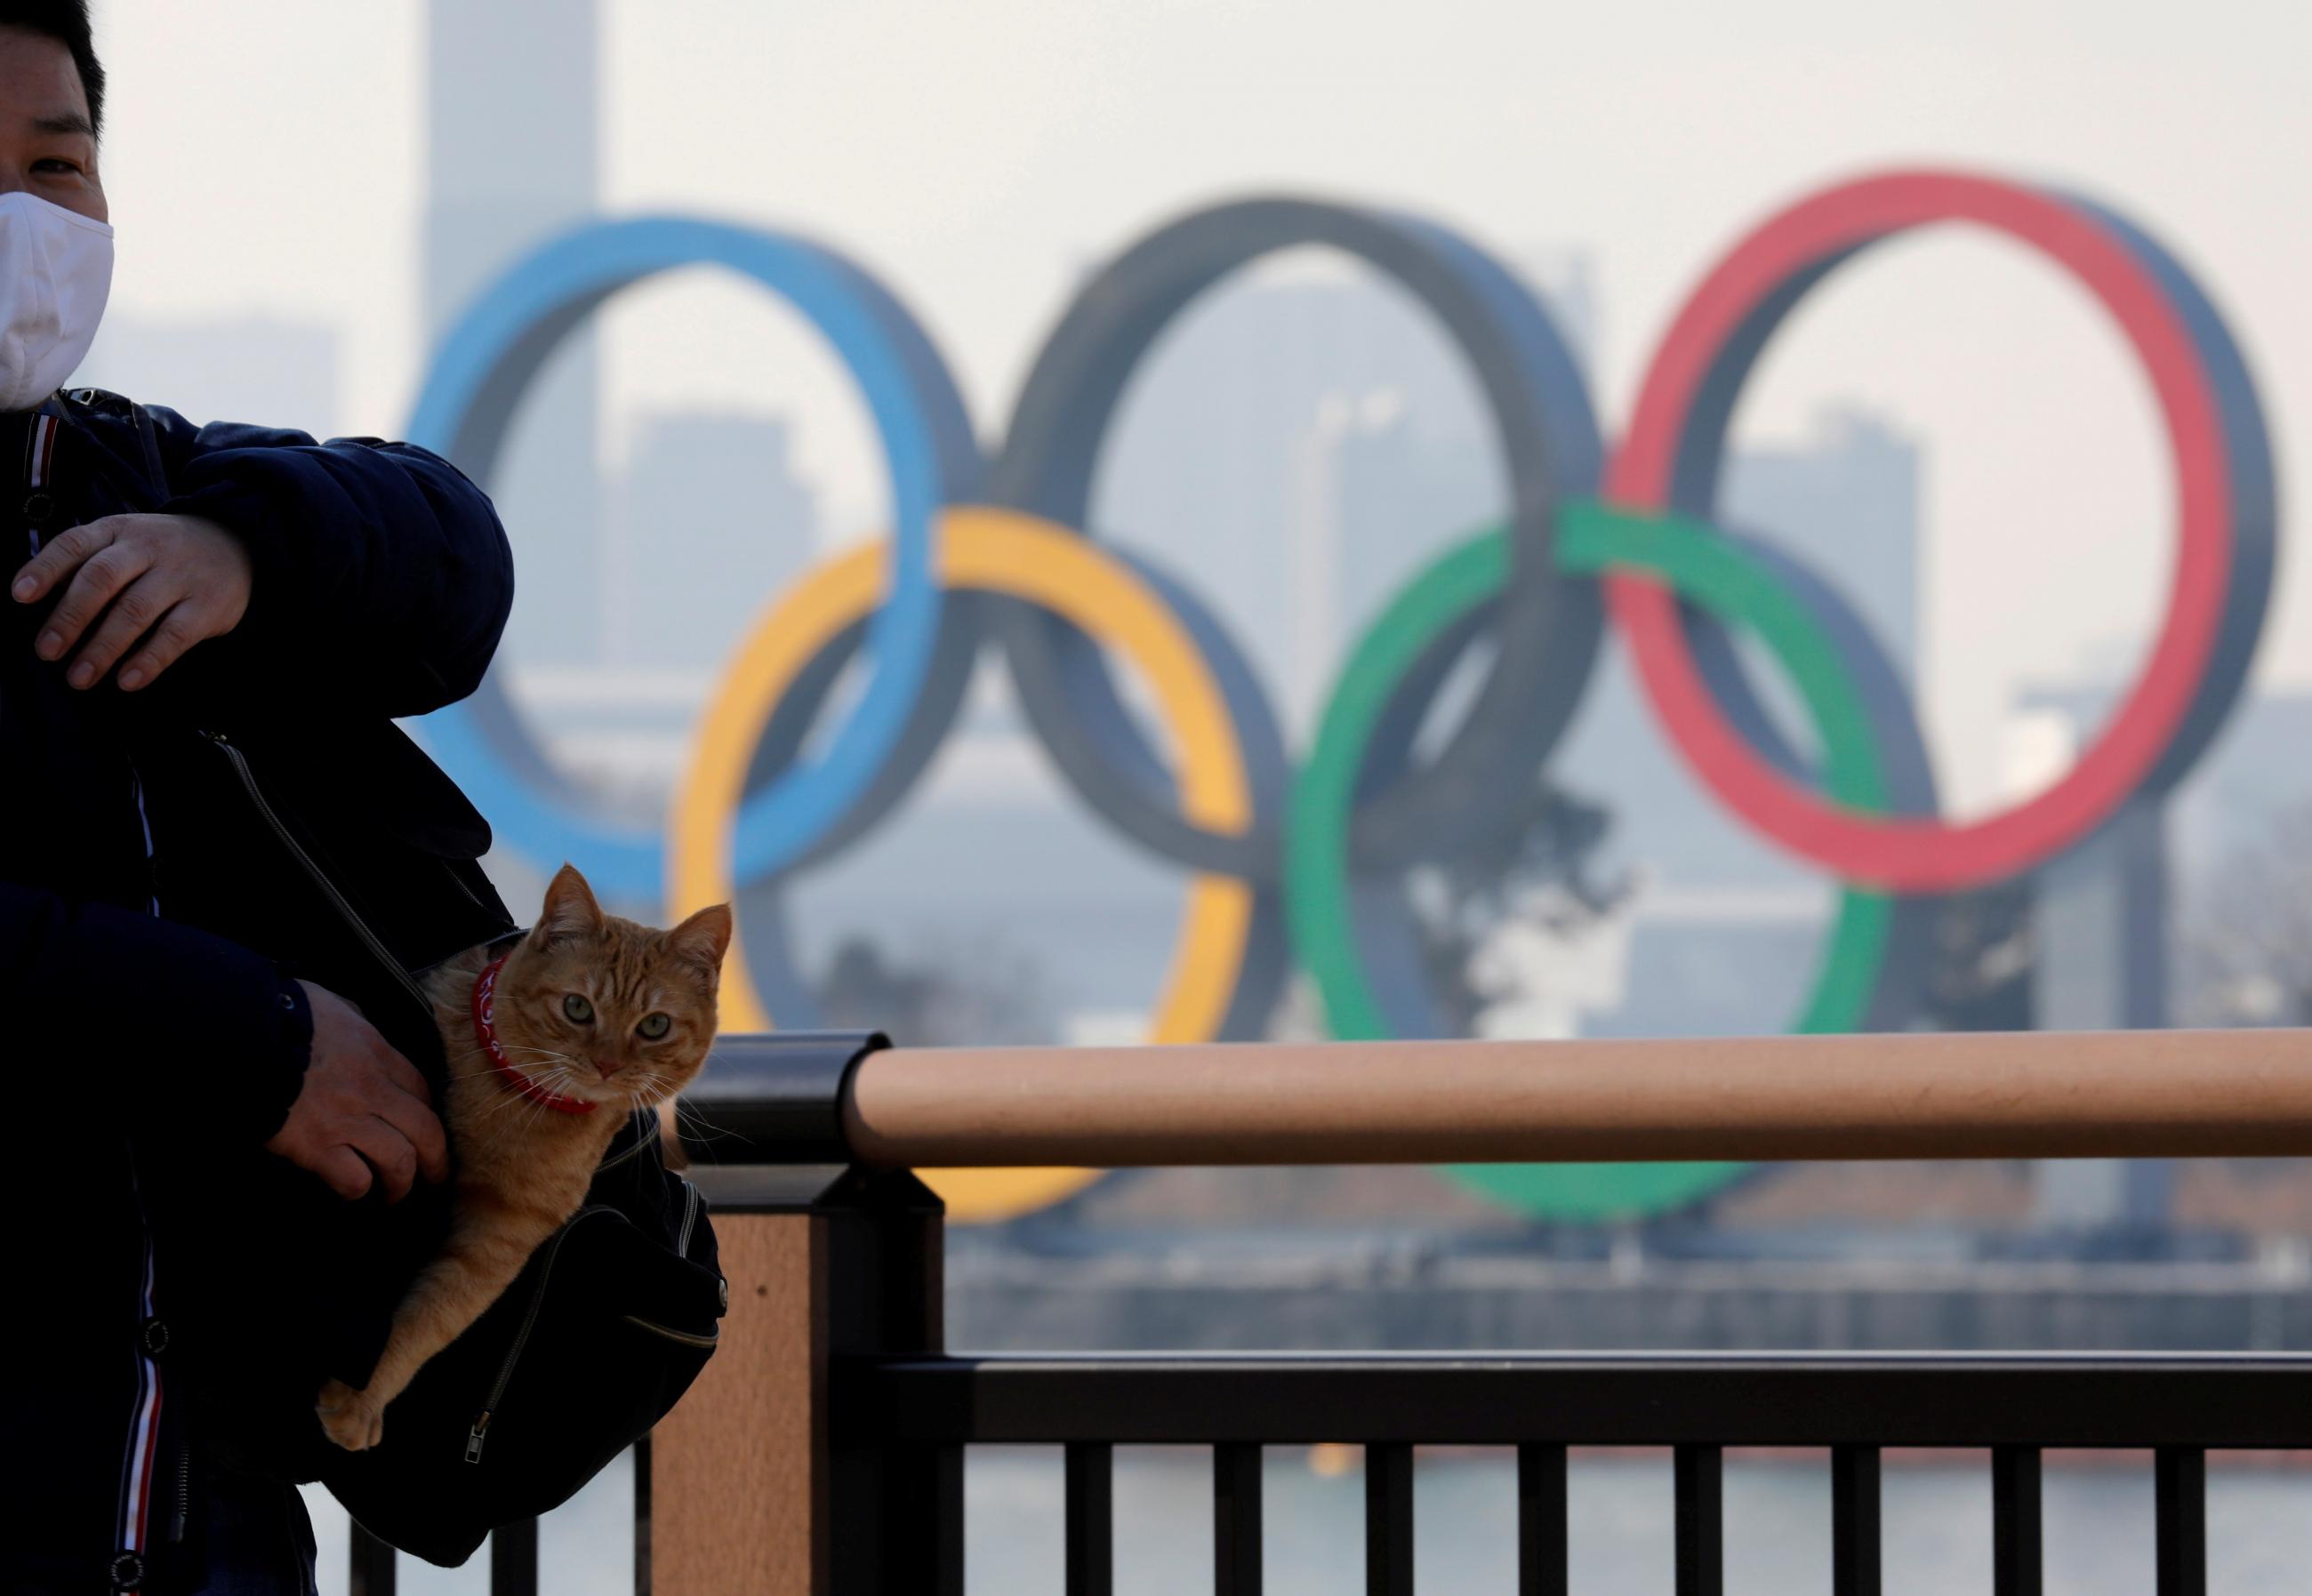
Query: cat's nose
[{"x": 607, "y": 1067}]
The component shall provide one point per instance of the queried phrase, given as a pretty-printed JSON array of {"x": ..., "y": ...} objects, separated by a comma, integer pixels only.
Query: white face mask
[{"x": 56, "y": 273}]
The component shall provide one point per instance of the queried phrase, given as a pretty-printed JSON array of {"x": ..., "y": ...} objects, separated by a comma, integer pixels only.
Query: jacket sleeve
[
  {"x": 177, "y": 1032},
  {"x": 382, "y": 578}
]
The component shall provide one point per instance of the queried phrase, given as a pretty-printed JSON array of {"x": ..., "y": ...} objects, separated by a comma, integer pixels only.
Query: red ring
[{"x": 1915, "y": 854}]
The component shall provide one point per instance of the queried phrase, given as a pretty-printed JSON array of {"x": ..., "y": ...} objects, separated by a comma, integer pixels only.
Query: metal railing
[
  {"x": 1695, "y": 1406},
  {"x": 823, "y": 1449}
]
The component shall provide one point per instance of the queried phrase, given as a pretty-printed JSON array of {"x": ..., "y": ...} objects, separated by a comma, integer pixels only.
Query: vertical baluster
[
  {"x": 2015, "y": 1560},
  {"x": 2181, "y": 1489},
  {"x": 1701, "y": 1514},
  {"x": 641, "y": 1517},
  {"x": 1854, "y": 1561},
  {"x": 919, "y": 1550},
  {"x": 1389, "y": 1519},
  {"x": 1541, "y": 1520},
  {"x": 513, "y": 1559},
  {"x": 371, "y": 1572},
  {"x": 1236, "y": 1520},
  {"x": 1090, "y": 1518},
  {"x": 939, "y": 1523}
]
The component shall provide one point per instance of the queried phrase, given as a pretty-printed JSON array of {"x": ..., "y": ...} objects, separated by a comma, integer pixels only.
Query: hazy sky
[{"x": 265, "y": 155}]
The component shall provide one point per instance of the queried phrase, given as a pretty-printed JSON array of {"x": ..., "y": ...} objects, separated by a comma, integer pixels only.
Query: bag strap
[
  {"x": 149, "y": 436},
  {"x": 148, "y": 492}
]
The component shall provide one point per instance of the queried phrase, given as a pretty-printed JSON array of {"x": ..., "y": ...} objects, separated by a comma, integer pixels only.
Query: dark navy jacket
[{"x": 171, "y": 863}]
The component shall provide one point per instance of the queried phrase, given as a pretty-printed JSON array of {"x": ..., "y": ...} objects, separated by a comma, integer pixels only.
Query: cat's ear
[
  {"x": 702, "y": 940},
  {"x": 570, "y": 910}
]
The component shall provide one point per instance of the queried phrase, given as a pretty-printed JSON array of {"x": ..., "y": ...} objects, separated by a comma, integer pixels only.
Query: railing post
[
  {"x": 755, "y": 1487},
  {"x": 2017, "y": 1554},
  {"x": 895, "y": 1518}
]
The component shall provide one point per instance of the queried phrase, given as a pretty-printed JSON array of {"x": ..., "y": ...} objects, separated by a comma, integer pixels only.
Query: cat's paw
[{"x": 352, "y": 1420}]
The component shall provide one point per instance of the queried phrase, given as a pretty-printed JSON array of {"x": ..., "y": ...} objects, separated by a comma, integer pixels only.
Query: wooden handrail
[{"x": 2039, "y": 1094}]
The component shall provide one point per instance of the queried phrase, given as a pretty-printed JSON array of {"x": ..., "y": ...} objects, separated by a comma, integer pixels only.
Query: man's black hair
[{"x": 66, "y": 23}]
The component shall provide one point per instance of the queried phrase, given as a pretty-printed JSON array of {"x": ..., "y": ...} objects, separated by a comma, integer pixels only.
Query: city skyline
[
  {"x": 1657, "y": 134},
  {"x": 1212, "y": 452}
]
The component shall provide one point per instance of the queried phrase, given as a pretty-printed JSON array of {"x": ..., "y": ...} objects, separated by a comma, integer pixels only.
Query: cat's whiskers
[
  {"x": 695, "y": 1128},
  {"x": 482, "y": 1074},
  {"x": 504, "y": 1102},
  {"x": 523, "y": 1122}
]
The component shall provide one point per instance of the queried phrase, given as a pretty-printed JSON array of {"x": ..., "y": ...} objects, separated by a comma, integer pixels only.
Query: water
[
  {"x": 1936, "y": 1523},
  {"x": 1936, "y": 1526}
]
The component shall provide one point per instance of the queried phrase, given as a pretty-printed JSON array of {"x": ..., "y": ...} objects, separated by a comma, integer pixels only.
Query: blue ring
[{"x": 488, "y": 359}]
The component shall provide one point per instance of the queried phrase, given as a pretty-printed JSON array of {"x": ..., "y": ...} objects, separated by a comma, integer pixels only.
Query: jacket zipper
[
  {"x": 184, "y": 1511},
  {"x": 689, "y": 1220},
  {"x": 474, "y": 1437},
  {"x": 345, "y": 910}
]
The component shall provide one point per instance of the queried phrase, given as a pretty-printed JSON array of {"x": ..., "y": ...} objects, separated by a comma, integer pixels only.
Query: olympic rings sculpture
[{"x": 1302, "y": 862}]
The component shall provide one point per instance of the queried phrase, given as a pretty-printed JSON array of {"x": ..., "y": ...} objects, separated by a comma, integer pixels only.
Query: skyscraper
[
  {"x": 1213, "y": 468},
  {"x": 512, "y": 159},
  {"x": 708, "y": 525},
  {"x": 1846, "y": 503}
]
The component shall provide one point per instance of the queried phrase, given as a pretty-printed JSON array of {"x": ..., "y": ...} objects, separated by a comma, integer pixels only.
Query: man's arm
[
  {"x": 172, "y": 1031},
  {"x": 382, "y": 578}
]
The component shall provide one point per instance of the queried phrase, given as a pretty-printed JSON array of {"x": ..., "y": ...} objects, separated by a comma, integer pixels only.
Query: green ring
[{"x": 1705, "y": 570}]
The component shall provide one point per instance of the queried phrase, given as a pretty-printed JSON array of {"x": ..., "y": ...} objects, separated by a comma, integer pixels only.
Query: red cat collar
[{"x": 486, "y": 1033}]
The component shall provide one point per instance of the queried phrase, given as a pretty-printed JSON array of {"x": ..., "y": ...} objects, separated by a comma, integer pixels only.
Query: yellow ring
[{"x": 1009, "y": 552}]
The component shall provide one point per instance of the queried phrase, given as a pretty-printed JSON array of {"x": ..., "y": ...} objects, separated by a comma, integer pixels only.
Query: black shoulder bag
[{"x": 609, "y": 1324}]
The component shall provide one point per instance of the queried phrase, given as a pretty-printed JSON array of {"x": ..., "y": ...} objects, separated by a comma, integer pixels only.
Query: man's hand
[
  {"x": 363, "y": 1107},
  {"x": 170, "y": 580}
]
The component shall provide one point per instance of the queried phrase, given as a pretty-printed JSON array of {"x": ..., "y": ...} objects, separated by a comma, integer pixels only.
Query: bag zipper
[
  {"x": 360, "y": 928},
  {"x": 474, "y": 1437},
  {"x": 693, "y": 1202},
  {"x": 686, "y": 1337},
  {"x": 472, "y": 897}
]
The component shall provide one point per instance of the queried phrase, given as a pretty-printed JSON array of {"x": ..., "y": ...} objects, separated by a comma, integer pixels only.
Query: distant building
[
  {"x": 1726, "y": 927},
  {"x": 512, "y": 160},
  {"x": 1208, "y": 467},
  {"x": 2252, "y": 775},
  {"x": 1847, "y": 501},
  {"x": 708, "y": 525},
  {"x": 1404, "y": 496},
  {"x": 255, "y": 369},
  {"x": 1846, "y": 505}
]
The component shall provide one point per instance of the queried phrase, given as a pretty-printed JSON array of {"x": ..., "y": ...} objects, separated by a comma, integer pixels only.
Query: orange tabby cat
[{"x": 550, "y": 1048}]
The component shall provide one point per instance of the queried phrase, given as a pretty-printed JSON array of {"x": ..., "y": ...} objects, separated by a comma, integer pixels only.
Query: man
[{"x": 218, "y": 862}]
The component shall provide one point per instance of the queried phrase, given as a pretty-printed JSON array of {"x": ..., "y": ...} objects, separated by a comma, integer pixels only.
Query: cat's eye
[
  {"x": 654, "y": 1026},
  {"x": 578, "y": 1010}
]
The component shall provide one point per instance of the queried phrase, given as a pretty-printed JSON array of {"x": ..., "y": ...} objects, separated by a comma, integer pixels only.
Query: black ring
[{"x": 1550, "y": 628}]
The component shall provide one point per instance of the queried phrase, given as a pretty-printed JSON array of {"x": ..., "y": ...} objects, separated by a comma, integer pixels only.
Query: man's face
[{"x": 48, "y": 146}]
